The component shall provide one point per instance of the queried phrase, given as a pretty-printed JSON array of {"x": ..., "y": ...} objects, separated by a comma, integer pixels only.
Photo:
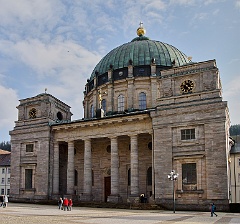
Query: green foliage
[
  {"x": 234, "y": 129},
  {"x": 5, "y": 146}
]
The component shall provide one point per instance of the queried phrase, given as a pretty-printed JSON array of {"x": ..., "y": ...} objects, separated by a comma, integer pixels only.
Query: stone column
[
  {"x": 56, "y": 168},
  {"x": 114, "y": 197},
  {"x": 153, "y": 168},
  {"x": 70, "y": 168},
  {"x": 134, "y": 167},
  {"x": 87, "y": 185}
]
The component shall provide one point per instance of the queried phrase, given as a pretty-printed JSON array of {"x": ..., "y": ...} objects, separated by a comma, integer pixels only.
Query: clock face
[
  {"x": 32, "y": 113},
  {"x": 187, "y": 86}
]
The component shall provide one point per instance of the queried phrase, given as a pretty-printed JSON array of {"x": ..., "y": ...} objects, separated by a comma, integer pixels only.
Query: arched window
[
  {"x": 142, "y": 101},
  {"x": 92, "y": 111},
  {"x": 120, "y": 103},
  {"x": 149, "y": 176},
  {"x": 104, "y": 105}
]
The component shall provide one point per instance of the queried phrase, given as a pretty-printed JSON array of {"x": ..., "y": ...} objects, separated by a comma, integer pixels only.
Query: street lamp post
[{"x": 173, "y": 176}]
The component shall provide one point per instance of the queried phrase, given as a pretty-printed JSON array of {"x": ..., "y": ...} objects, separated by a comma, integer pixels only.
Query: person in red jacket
[
  {"x": 65, "y": 204},
  {"x": 70, "y": 203}
]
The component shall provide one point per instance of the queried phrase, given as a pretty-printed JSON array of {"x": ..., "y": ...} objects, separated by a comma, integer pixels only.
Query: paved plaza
[{"x": 17, "y": 213}]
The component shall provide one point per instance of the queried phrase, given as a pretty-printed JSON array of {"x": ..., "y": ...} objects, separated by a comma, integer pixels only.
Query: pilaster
[
  {"x": 87, "y": 186},
  {"x": 134, "y": 166},
  {"x": 56, "y": 168},
  {"x": 114, "y": 197},
  {"x": 70, "y": 168}
]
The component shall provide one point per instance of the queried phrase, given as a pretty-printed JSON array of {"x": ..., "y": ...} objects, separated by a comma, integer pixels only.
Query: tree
[
  {"x": 234, "y": 129},
  {"x": 5, "y": 146}
]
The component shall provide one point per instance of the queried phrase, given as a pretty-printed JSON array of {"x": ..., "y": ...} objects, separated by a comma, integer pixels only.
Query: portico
[{"x": 99, "y": 155}]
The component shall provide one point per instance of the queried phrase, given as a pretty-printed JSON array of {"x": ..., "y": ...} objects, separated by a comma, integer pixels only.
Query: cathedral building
[{"x": 148, "y": 110}]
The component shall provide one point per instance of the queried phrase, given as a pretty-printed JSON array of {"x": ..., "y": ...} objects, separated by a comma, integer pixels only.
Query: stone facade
[{"x": 118, "y": 156}]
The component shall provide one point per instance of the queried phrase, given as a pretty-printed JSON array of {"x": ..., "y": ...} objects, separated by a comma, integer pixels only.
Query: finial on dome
[{"x": 141, "y": 31}]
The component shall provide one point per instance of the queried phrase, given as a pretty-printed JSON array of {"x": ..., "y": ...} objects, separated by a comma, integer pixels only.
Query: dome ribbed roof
[{"x": 141, "y": 51}]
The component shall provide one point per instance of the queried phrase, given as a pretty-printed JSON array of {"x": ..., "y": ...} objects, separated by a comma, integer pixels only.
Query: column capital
[
  {"x": 71, "y": 143},
  {"x": 86, "y": 139},
  {"x": 133, "y": 135}
]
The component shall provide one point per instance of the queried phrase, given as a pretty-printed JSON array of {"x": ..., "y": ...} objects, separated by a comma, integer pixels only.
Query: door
[{"x": 107, "y": 187}]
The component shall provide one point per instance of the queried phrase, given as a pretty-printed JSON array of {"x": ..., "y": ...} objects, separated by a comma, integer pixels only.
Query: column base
[
  {"x": 114, "y": 199},
  {"x": 86, "y": 197}
]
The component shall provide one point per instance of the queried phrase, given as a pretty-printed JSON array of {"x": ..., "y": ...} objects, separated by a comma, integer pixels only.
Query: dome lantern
[{"x": 141, "y": 31}]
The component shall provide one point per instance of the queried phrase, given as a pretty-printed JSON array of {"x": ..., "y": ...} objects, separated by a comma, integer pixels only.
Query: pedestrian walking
[
  {"x": 213, "y": 209},
  {"x": 1, "y": 200},
  {"x": 60, "y": 203},
  {"x": 5, "y": 201},
  {"x": 70, "y": 204},
  {"x": 65, "y": 204}
]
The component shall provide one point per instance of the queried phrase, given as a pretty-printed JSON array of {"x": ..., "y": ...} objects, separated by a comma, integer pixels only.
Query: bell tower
[
  {"x": 31, "y": 145},
  {"x": 43, "y": 108}
]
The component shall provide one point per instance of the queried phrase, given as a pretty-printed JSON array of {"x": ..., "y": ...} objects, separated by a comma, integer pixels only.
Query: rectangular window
[
  {"x": 187, "y": 134},
  {"x": 238, "y": 177},
  {"x": 28, "y": 178},
  {"x": 29, "y": 148},
  {"x": 9, "y": 170},
  {"x": 142, "y": 101},
  {"x": 8, "y": 191},
  {"x": 239, "y": 162},
  {"x": 8, "y": 180},
  {"x": 3, "y": 170},
  {"x": 2, "y": 191},
  {"x": 189, "y": 176},
  {"x": 2, "y": 181}
]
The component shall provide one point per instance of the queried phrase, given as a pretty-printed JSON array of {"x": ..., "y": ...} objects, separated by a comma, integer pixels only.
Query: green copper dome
[{"x": 141, "y": 51}]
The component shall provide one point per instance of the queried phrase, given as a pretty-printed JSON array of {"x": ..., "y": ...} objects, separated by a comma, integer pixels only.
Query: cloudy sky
[{"x": 55, "y": 44}]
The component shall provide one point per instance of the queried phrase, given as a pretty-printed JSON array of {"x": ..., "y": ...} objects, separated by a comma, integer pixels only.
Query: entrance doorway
[{"x": 107, "y": 187}]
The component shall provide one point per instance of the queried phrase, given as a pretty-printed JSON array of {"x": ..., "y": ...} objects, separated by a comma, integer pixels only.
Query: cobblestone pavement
[{"x": 17, "y": 213}]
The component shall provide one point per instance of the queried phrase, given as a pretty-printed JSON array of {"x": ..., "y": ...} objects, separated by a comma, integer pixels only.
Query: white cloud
[
  {"x": 207, "y": 2},
  {"x": 30, "y": 17},
  {"x": 155, "y": 5},
  {"x": 8, "y": 112},
  {"x": 201, "y": 16},
  {"x": 182, "y": 2},
  {"x": 48, "y": 58},
  {"x": 238, "y": 4},
  {"x": 232, "y": 88}
]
